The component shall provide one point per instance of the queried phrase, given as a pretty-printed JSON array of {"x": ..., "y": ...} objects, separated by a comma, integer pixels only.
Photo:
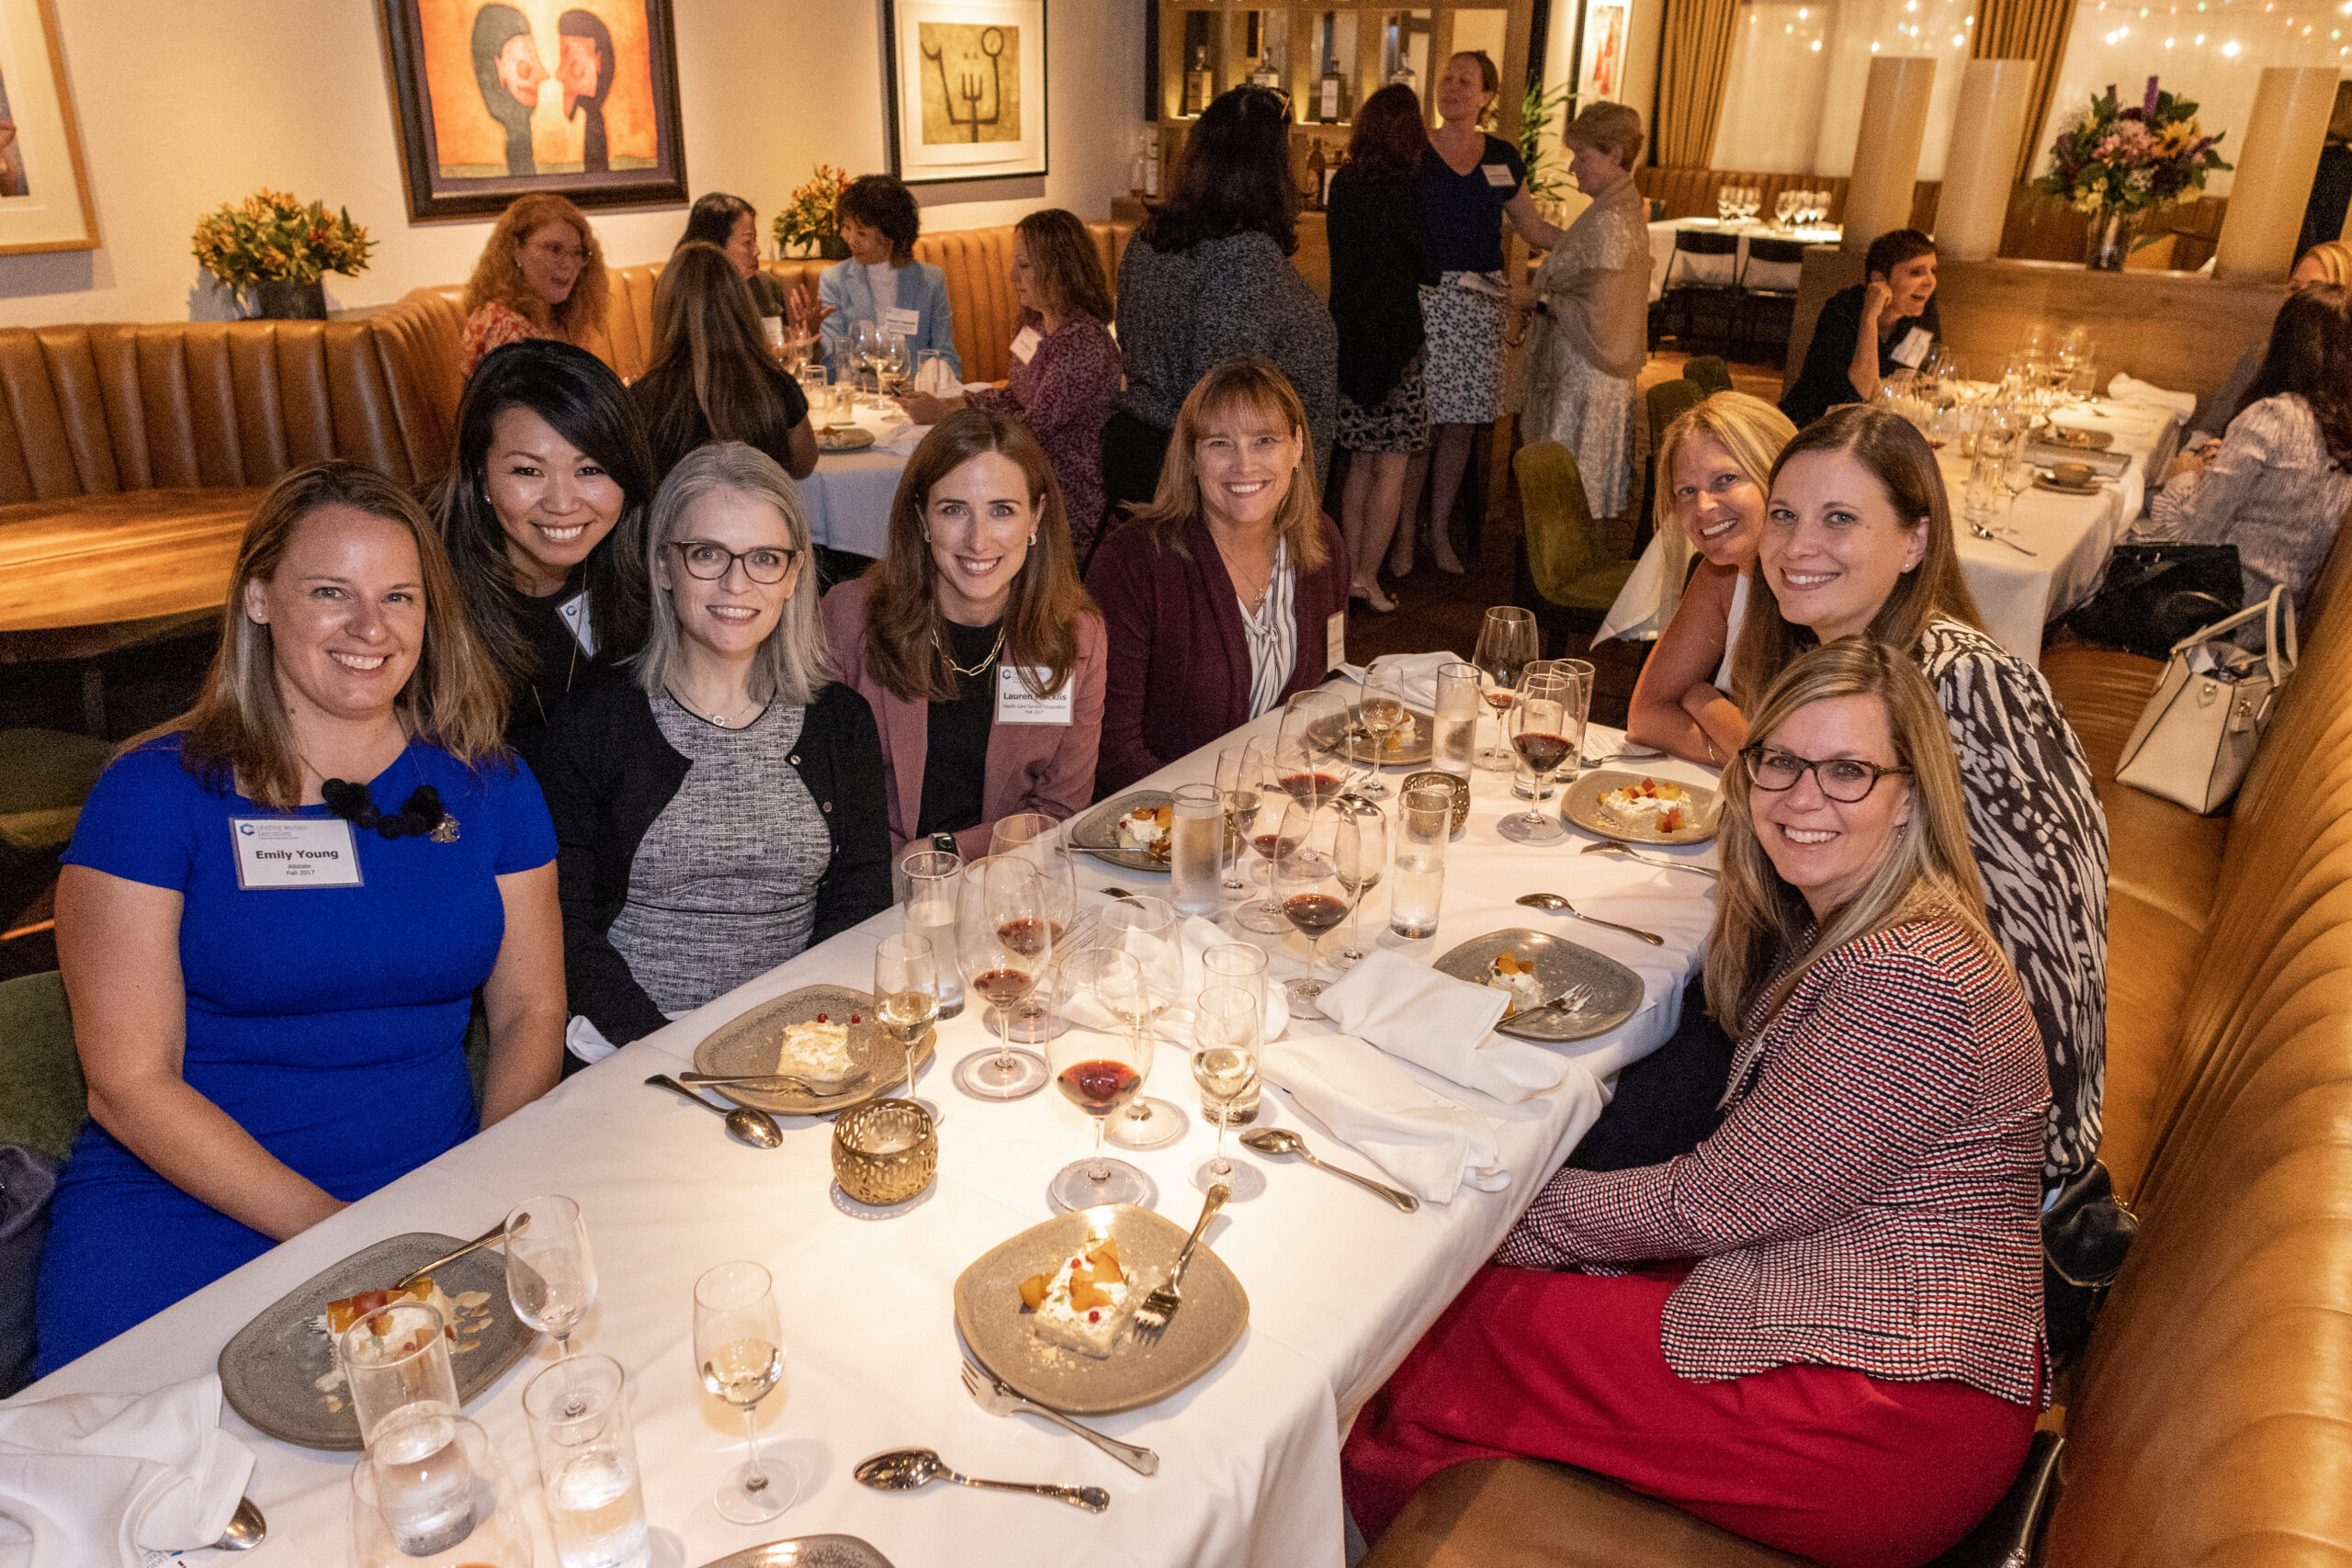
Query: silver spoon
[
  {"x": 1282, "y": 1141},
  {"x": 745, "y": 1124},
  {"x": 246, "y": 1528},
  {"x": 1611, "y": 847},
  {"x": 910, "y": 1470},
  {"x": 1982, "y": 532},
  {"x": 1553, "y": 901}
]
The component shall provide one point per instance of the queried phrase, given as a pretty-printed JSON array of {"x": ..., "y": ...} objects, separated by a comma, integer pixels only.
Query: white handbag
[{"x": 2197, "y": 736}]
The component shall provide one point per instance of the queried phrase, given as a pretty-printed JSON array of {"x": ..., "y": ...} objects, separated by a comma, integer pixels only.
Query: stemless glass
[
  {"x": 453, "y": 1503},
  {"x": 588, "y": 1467},
  {"x": 1099, "y": 1071},
  {"x": 1381, "y": 714},
  {"x": 1260, "y": 822},
  {"x": 1227, "y": 1032},
  {"x": 739, "y": 1349},
  {"x": 550, "y": 1273},
  {"x": 1004, "y": 941},
  {"x": 1508, "y": 643},
  {"x": 1146, "y": 929},
  {"x": 1363, "y": 862},
  {"x": 906, "y": 998},
  {"x": 1314, "y": 897},
  {"x": 1034, "y": 836},
  {"x": 934, "y": 880},
  {"x": 1454, "y": 736},
  {"x": 1230, "y": 789},
  {"x": 1539, "y": 729}
]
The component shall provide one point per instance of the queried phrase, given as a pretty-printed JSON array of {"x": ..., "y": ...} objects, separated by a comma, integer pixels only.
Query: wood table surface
[{"x": 87, "y": 574}]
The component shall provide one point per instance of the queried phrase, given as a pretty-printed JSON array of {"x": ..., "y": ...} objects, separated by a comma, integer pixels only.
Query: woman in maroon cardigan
[{"x": 1229, "y": 591}]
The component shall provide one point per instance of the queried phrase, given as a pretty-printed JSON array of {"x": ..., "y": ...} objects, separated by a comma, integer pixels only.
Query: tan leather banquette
[{"x": 2210, "y": 1419}]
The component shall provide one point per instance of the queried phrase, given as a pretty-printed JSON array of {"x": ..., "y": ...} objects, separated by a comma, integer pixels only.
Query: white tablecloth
[
  {"x": 1340, "y": 1285},
  {"x": 1662, "y": 248},
  {"x": 849, "y": 496}
]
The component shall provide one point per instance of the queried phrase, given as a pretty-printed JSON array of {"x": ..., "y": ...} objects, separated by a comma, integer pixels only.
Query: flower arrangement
[
  {"x": 2117, "y": 161},
  {"x": 272, "y": 238},
  {"x": 812, "y": 214}
]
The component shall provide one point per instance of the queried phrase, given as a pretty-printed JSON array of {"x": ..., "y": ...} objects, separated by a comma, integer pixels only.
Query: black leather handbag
[
  {"x": 2085, "y": 1234},
  {"x": 2156, "y": 594}
]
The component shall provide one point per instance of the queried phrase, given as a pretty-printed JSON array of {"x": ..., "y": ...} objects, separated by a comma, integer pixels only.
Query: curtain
[
  {"x": 2026, "y": 29},
  {"x": 1692, "y": 68}
]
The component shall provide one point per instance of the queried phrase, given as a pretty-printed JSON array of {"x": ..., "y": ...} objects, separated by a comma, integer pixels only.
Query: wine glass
[
  {"x": 1381, "y": 713},
  {"x": 739, "y": 1345},
  {"x": 1311, "y": 749},
  {"x": 1508, "y": 643},
  {"x": 1004, "y": 940},
  {"x": 550, "y": 1273},
  {"x": 1146, "y": 929},
  {"x": 1362, "y": 870},
  {"x": 1259, "y": 814},
  {"x": 1783, "y": 205},
  {"x": 892, "y": 365},
  {"x": 1034, "y": 836},
  {"x": 865, "y": 348},
  {"x": 2016, "y": 477},
  {"x": 1307, "y": 885},
  {"x": 1231, "y": 772},
  {"x": 1099, "y": 1071},
  {"x": 1540, "y": 728},
  {"x": 906, "y": 997},
  {"x": 1227, "y": 1032}
]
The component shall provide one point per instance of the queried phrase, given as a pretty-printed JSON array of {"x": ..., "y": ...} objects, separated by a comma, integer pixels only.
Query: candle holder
[{"x": 885, "y": 1151}]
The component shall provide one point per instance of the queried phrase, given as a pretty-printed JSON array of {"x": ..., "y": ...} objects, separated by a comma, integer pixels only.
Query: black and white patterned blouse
[{"x": 2040, "y": 841}]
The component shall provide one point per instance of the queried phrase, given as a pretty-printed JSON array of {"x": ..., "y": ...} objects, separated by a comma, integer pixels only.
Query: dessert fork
[
  {"x": 1152, "y": 1315},
  {"x": 998, "y": 1400}
]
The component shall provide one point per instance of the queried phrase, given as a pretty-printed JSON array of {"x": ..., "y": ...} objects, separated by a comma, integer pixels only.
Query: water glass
[
  {"x": 772, "y": 329},
  {"x": 816, "y": 386},
  {"x": 1417, "y": 887},
  {"x": 580, "y": 1429},
  {"x": 934, "y": 877},
  {"x": 931, "y": 374},
  {"x": 1196, "y": 850},
  {"x": 394, "y": 1360},
  {"x": 448, "y": 1505},
  {"x": 1455, "y": 741}
]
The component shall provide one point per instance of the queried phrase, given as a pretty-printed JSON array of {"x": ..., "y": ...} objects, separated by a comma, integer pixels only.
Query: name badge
[
  {"x": 275, "y": 852},
  {"x": 904, "y": 323},
  {"x": 1024, "y": 345},
  {"x": 1335, "y": 641},
  {"x": 1913, "y": 348},
  {"x": 1016, "y": 704},
  {"x": 1498, "y": 175},
  {"x": 575, "y": 612}
]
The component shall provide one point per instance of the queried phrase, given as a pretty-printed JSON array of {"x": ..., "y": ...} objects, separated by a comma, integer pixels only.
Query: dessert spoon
[
  {"x": 911, "y": 1470},
  {"x": 1553, "y": 901},
  {"x": 745, "y": 1124}
]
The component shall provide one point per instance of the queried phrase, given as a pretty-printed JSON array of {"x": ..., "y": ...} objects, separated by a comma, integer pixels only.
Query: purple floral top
[{"x": 1063, "y": 394}]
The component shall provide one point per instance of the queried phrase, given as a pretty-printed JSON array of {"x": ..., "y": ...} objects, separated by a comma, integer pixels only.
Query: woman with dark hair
[
  {"x": 1870, "y": 330},
  {"x": 728, "y": 222},
  {"x": 882, "y": 282},
  {"x": 1229, "y": 593},
  {"x": 974, "y": 640},
  {"x": 541, "y": 275},
  {"x": 585, "y": 68},
  {"x": 508, "y": 70},
  {"x": 712, "y": 378},
  {"x": 541, "y": 513},
  {"x": 2280, "y": 479},
  {"x": 1380, "y": 260},
  {"x": 1208, "y": 277},
  {"x": 1064, "y": 366},
  {"x": 264, "y": 1047}
]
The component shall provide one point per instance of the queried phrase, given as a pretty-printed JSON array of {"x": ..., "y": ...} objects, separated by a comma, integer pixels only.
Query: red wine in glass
[
  {"x": 1540, "y": 750},
  {"x": 1310, "y": 787},
  {"x": 1500, "y": 698},
  {"x": 1315, "y": 913},
  {"x": 1003, "y": 986},
  {"x": 1273, "y": 846},
  {"x": 1099, "y": 1087},
  {"x": 1026, "y": 936}
]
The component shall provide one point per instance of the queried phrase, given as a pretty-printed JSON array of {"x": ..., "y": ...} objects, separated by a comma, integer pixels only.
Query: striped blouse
[{"x": 1273, "y": 632}]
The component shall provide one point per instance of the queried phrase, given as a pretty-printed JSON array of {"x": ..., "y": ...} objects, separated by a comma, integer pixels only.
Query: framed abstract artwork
[
  {"x": 495, "y": 97},
  {"x": 967, "y": 87},
  {"x": 44, "y": 189}
]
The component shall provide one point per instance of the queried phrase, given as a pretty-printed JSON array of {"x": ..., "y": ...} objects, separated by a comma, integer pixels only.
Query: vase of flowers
[
  {"x": 2118, "y": 163},
  {"x": 275, "y": 249},
  {"x": 812, "y": 219}
]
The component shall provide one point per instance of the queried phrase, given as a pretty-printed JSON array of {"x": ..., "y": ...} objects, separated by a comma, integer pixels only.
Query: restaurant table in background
[
  {"x": 848, "y": 497},
  {"x": 1340, "y": 1285},
  {"x": 1769, "y": 275}
]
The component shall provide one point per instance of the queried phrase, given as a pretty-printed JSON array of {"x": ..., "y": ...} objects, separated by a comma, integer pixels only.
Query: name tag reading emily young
[
  {"x": 275, "y": 852},
  {"x": 1016, "y": 704}
]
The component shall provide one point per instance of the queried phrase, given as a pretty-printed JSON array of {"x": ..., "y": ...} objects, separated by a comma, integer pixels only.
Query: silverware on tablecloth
[
  {"x": 1573, "y": 1000},
  {"x": 1282, "y": 1141},
  {"x": 246, "y": 1528},
  {"x": 744, "y": 1124},
  {"x": 1982, "y": 532},
  {"x": 1153, "y": 1313},
  {"x": 1554, "y": 902},
  {"x": 998, "y": 1399},
  {"x": 1667, "y": 863},
  {"x": 765, "y": 1083},
  {"x": 495, "y": 1233},
  {"x": 911, "y": 1470}
]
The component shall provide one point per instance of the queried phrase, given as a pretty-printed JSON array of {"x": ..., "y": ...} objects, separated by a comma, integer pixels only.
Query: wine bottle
[{"x": 1199, "y": 86}]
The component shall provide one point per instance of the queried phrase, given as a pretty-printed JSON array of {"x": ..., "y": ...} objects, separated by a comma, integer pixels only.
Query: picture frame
[
  {"x": 491, "y": 98},
  {"x": 45, "y": 202},
  {"x": 967, "y": 89}
]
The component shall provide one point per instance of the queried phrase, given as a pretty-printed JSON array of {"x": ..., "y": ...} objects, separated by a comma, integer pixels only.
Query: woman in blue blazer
[{"x": 882, "y": 281}]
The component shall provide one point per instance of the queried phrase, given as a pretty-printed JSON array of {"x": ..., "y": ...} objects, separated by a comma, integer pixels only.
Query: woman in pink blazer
[{"x": 974, "y": 640}]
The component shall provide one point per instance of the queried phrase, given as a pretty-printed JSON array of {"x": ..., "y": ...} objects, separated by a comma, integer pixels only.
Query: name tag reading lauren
[
  {"x": 904, "y": 323},
  {"x": 275, "y": 852},
  {"x": 1016, "y": 704}
]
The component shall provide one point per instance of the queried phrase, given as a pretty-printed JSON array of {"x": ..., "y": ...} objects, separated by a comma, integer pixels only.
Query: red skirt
[{"x": 1822, "y": 1462}]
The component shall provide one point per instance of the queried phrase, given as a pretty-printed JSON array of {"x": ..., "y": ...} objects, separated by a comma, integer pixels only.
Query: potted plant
[
  {"x": 273, "y": 248},
  {"x": 812, "y": 219},
  {"x": 1545, "y": 183},
  {"x": 2119, "y": 164}
]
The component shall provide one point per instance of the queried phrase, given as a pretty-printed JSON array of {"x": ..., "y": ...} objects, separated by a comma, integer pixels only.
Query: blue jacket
[{"x": 922, "y": 288}]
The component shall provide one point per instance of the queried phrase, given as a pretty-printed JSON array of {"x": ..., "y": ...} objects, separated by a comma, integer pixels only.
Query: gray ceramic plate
[
  {"x": 269, "y": 1373},
  {"x": 1585, "y": 808},
  {"x": 843, "y": 438},
  {"x": 989, "y": 1315},
  {"x": 1413, "y": 738},
  {"x": 1616, "y": 991},
  {"x": 1098, "y": 829},
  {"x": 750, "y": 1044},
  {"x": 806, "y": 1551}
]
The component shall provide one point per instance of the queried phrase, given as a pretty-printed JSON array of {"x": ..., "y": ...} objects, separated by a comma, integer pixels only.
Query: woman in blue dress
[{"x": 271, "y": 968}]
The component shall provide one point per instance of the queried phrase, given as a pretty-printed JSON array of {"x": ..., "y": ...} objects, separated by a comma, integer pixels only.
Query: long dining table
[{"x": 1339, "y": 1284}]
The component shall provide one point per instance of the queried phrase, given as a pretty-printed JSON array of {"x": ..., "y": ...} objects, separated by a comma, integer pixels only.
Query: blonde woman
[
  {"x": 541, "y": 275},
  {"x": 1822, "y": 1329},
  {"x": 277, "y": 907},
  {"x": 721, "y": 808}
]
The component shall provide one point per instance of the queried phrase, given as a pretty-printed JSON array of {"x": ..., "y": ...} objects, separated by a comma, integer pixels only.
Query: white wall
[{"x": 183, "y": 107}]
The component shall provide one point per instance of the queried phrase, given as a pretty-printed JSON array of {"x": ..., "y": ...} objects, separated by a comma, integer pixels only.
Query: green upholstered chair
[
  {"x": 1708, "y": 373},
  {"x": 1567, "y": 559},
  {"x": 1668, "y": 400},
  {"x": 42, "y": 1098},
  {"x": 45, "y": 775}
]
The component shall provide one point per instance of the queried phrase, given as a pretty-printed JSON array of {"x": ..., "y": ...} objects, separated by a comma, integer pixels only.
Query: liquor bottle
[
  {"x": 1316, "y": 183},
  {"x": 1332, "y": 95},
  {"x": 1266, "y": 75},
  {"x": 1151, "y": 171},
  {"x": 1200, "y": 87}
]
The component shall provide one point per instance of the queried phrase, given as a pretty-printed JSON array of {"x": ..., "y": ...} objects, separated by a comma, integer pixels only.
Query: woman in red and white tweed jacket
[{"x": 1822, "y": 1329}]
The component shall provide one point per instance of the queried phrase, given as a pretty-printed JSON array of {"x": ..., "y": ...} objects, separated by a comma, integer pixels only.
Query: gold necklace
[{"x": 995, "y": 648}]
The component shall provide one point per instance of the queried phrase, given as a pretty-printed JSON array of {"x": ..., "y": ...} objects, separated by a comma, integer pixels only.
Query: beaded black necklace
[{"x": 419, "y": 814}]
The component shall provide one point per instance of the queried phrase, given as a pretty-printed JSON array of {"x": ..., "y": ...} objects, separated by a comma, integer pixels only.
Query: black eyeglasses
[
  {"x": 711, "y": 562},
  {"x": 1842, "y": 779}
]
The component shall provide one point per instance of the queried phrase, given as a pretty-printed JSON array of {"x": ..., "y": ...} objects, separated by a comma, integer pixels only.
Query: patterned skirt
[
  {"x": 1398, "y": 422},
  {"x": 1466, "y": 354},
  {"x": 1588, "y": 411}
]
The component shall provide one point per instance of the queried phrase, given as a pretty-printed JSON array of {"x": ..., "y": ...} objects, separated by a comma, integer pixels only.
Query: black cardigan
[
  {"x": 1380, "y": 255},
  {"x": 608, "y": 773}
]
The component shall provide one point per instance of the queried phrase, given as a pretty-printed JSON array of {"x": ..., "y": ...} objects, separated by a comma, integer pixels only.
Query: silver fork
[
  {"x": 1152, "y": 1315},
  {"x": 998, "y": 1400},
  {"x": 1571, "y": 1000}
]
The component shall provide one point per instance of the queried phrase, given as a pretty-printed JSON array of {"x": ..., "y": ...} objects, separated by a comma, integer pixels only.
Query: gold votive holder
[
  {"x": 1454, "y": 782},
  {"x": 885, "y": 1151}
]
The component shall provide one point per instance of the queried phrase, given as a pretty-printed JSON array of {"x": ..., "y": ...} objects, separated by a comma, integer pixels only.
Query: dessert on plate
[
  {"x": 1147, "y": 830},
  {"x": 1668, "y": 804},
  {"x": 1082, "y": 1305},
  {"x": 818, "y": 1053},
  {"x": 1516, "y": 976}
]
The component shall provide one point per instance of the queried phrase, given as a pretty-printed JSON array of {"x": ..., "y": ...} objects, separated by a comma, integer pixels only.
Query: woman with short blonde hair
[{"x": 541, "y": 274}]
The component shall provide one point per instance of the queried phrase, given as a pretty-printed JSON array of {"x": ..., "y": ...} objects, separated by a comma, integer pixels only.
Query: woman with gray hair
[{"x": 718, "y": 805}]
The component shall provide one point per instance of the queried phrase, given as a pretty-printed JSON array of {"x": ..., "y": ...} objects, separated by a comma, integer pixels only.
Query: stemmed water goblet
[
  {"x": 1035, "y": 837},
  {"x": 1783, "y": 205},
  {"x": 1004, "y": 939},
  {"x": 892, "y": 365},
  {"x": 906, "y": 997},
  {"x": 1146, "y": 929},
  {"x": 1544, "y": 729},
  {"x": 739, "y": 1349},
  {"x": 550, "y": 1273},
  {"x": 1099, "y": 1071},
  {"x": 1313, "y": 895},
  {"x": 1508, "y": 643},
  {"x": 1230, "y": 774},
  {"x": 1227, "y": 1028},
  {"x": 865, "y": 349}
]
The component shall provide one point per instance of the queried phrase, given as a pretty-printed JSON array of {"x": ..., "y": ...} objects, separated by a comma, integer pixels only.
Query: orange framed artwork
[
  {"x": 495, "y": 97},
  {"x": 44, "y": 188}
]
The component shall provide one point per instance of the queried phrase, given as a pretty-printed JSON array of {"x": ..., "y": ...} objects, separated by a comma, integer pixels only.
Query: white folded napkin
[
  {"x": 2131, "y": 389},
  {"x": 102, "y": 1478},
  {"x": 932, "y": 376},
  {"x": 1430, "y": 1145},
  {"x": 1419, "y": 671},
  {"x": 902, "y": 438},
  {"x": 1647, "y": 602},
  {"x": 1436, "y": 1022}
]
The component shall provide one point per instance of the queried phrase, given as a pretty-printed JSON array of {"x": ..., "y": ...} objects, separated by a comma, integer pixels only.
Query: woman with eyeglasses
[
  {"x": 719, "y": 807},
  {"x": 1821, "y": 1329},
  {"x": 541, "y": 275}
]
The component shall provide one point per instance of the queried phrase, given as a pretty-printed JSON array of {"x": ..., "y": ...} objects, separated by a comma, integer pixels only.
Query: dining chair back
[
  {"x": 1773, "y": 266},
  {"x": 1570, "y": 564},
  {"x": 1668, "y": 400},
  {"x": 42, "y": 1096},
  {"x": 1703, "y": 259},
  {"x": 1707, "y": 373}
]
